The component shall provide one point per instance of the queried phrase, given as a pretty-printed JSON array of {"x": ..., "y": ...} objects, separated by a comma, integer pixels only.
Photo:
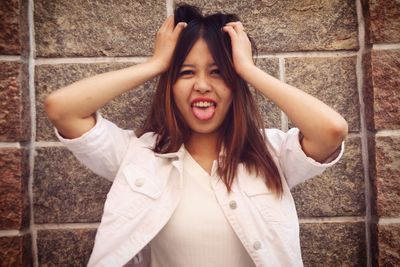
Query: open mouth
[{"x": 203, "y": 109}]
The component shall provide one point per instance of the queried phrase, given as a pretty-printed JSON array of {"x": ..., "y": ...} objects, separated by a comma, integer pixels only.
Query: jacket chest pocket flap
[
  {"x": 142, "y": 181},
  {"x": 133, "y": 192},
  {"x": 271, "y": 208}
]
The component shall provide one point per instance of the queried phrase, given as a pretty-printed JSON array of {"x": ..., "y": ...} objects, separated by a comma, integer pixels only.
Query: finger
[
  {"x": 170, "y": 22},
  {"x": 231, "y": 31},
  {"x": 237, "y": 25},
  {"x": 178, "y": 28},
  {"x": 165, "y": 23}
]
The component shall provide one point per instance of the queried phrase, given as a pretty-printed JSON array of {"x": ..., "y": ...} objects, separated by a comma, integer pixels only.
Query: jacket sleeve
[
  {"x": 296, "y": 166},
  {"x": 102, "y": 148}
]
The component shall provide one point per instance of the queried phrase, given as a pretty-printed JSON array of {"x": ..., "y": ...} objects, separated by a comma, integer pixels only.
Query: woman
[{"x": 199, "y": 184}]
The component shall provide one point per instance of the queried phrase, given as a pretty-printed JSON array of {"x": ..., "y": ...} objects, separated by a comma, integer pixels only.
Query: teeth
[{"x": 203, "y": 104}]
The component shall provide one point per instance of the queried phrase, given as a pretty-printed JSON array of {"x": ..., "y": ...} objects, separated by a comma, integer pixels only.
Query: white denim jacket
[{"x": 146, "y": 190}]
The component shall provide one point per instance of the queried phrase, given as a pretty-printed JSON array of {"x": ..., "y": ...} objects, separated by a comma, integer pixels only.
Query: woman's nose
[{"x": 202, "y": 86}]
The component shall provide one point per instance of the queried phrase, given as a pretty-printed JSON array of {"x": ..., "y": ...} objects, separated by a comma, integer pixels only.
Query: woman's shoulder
[
  {"x": 276, "y": 137},
  {"x": 147, "y": 139}
]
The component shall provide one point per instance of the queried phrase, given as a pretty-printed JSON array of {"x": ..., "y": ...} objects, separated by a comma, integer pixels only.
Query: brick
[
  {"x": 293, "y": 25},
  {"x": 387, "y": 171},
  {"x": 389, "y": 245},
  {"x": 14, "y": 104},
  {"x": 270, "y": 113},
  {"x": 15, "y": 251},
  {"x": 64, "y": 191},
  {"x": 333, "y": 244},
  {"x": 383, "y": 19},
  {"x": 332, "y": 80},
  {"x": 65, "y": 247},
  {"x": 381, "y": 89},
  {"x": 14, "y": 201},
  {"x": 9, "y": 27},
  {"x": 66, "y": 28},
  {"x": 128, "y": 111},
  {"x": 339, "y": 191}
]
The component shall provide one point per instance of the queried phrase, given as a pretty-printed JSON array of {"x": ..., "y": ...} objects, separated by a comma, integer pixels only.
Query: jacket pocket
[
  {"x": 270, "y": 207},
  {"x": 133, "y": 191},
  {"x": 142, "y": 181}
]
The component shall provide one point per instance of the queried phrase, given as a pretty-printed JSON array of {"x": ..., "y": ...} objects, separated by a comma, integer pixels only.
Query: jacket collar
[
  {"x": 148, "y": 140},
  {"x": 173, "y": 155}
]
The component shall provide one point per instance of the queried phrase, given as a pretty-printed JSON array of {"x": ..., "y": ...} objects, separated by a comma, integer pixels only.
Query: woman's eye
[
  {"x": 216, "y": 72},
  {"x": 185, "y": 72}
]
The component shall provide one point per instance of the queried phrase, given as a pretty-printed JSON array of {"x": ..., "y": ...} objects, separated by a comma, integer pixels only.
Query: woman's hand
[
  {"x": 241, "y": 47},
  {"x": 166, "y": 39}
]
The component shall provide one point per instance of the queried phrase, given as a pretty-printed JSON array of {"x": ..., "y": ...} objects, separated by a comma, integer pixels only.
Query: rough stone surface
[
  {"x": 96, "y": 28},
  {"x": 65, "y": 247},
  {"x": 64, "y": 190},
  {"x": 128, "y": 111},
  {"x": 384, "y": 21},
  {"x": 389, "y": 245},
  {"x": 333, "y": 244},
  {"x": 382, "y": 89},
  {"x": 14, "y": 202},
  {"x": 15, "y": 251},
  {"x": 339, "y": 191},
  {"x": 9, "y": 27},
  {"x": 332, "y": 80},
  {"x": 387, "y": 158},
  {"x": 14, "y": 102},
  {"x": 293, "y": 25},
  {"x": 270, "y": 113}
]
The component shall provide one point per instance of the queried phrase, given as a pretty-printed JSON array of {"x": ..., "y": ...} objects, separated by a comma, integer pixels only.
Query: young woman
[{"x": 201, "y": 184}]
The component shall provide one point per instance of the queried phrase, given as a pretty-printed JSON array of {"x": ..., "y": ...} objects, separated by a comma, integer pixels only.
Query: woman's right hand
[
  {"x": 71, "y": 109},
  {"x": 166, "y": 39}
]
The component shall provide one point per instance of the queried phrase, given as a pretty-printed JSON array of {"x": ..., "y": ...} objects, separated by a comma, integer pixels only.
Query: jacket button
[
  {"x": 139, "y": 182},
  {"x": 257, "y": 245},
  {"x": 233, "y": 204}
]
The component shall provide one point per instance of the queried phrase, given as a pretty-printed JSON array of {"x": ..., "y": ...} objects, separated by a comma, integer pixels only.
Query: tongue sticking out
[{"x": 203, "y": 113}]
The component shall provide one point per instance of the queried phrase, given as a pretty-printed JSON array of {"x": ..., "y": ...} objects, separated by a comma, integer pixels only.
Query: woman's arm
[
  {"x": 323, "y": 128},
  {"x": 71, "y": 108}
]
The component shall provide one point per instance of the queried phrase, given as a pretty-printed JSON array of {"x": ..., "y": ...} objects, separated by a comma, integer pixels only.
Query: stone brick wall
[{"x": 345, "y": 52}]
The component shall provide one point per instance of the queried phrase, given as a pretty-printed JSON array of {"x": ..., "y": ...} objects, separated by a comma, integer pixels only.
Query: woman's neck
[{"x": 204, "y": 148}]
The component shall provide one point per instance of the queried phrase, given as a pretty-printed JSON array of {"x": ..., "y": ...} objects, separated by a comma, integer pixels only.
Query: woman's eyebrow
[{"x": 213, "y": 64}]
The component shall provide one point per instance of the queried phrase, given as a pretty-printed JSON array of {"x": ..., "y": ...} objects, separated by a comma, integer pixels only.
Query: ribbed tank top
[{"x": 198, "y": 234}]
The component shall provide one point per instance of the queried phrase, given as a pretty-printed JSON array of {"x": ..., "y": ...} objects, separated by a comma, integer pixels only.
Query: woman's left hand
[{"x": 241, "y": 47}]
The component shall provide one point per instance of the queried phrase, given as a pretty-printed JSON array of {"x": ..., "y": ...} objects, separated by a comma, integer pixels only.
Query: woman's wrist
[
  {"x": 247, "y": 71},
  {"x": 157, "y": 65}
]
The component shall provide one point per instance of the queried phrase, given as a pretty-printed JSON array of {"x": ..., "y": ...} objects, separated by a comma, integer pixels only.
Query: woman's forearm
[
  {"x": 319, "y": 123},
  {"x": 84, "y": 97},
  {"x": 323, "y": 128},
  {"x": 71, "y": 109}
]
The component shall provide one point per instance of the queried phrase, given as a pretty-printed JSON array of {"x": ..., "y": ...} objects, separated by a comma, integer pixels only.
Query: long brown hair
[{"x": 241, "y": 136}]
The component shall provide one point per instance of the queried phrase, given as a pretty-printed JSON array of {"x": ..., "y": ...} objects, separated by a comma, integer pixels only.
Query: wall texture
[{"x": 345, "y": 52}]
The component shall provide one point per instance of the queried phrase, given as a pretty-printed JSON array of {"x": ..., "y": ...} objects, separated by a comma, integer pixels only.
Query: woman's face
[{"x": 200, "y": 92}]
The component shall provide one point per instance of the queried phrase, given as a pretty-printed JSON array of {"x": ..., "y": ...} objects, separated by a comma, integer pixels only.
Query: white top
[
  {"x": 147, "y": 189},
  {"x": 198, "y": 234}
]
